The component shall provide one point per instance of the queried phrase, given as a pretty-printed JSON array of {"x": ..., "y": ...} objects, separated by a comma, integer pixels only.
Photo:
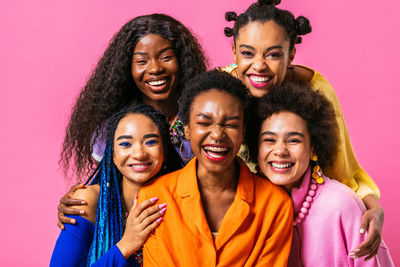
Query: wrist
[{"x": 127, "y": 248}]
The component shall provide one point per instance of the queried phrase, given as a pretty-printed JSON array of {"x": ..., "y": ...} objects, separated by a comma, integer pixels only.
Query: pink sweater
[{"x": 331, "y": 229}]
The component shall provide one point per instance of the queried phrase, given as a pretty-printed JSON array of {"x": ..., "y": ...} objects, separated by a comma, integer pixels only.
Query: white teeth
[
  {"x": 259, "y": 78},
  {"x": 281, "y": 166},
  {"x": 216, "y": 149},
  {"x": 157, "y": 83}
]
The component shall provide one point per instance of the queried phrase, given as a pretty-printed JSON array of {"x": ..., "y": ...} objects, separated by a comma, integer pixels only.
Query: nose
[
  {"x": 138, "y": 152},
  {"x": 259, "y": 64},
  {"x": 155, "y": 66},
  {"x": 280, "y": 149},
  {"x": 217, "y": 132}
]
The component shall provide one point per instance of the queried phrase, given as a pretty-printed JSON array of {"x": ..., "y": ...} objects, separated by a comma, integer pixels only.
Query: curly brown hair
[
  {"x": 311, "y": 106},
  {"x": 111, "y": 86}
]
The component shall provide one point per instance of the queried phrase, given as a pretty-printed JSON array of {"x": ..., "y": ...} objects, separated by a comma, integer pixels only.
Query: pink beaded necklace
[{"x": 307, "y": 202}]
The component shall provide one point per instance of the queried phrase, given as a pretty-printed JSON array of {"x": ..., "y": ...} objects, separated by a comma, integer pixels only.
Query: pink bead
[
  {"x": 311, "y": 193},
  {"x": 306, "y": 204},
  {"x": 303, "y": 210},
  {"x": 313, "y": 181},
  {"x": 309, "y": 199},
  {"x": 298, "y": 220},
  {"x": 301, "y": 215},
  {"x": 313, "y": 186}
]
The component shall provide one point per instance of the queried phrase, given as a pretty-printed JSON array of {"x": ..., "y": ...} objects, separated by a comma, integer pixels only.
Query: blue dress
[{"x": 73, "y": 244}]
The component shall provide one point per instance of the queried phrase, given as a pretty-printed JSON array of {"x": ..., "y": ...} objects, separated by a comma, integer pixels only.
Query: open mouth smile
[
  {"x": 140, "y": 167},
  {"x": 158, "y": 84},
  {"x": 216, "y": 152},
  {"x": 259, "y": 80},
  {"x": 281, "y": 166}
]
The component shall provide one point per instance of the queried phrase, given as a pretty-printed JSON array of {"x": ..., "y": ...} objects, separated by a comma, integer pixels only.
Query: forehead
[
  {"x": 216, "y": 102},
  {"x": 262, "y": 34},
  {"x": 151, "y": 42},
  {"x": 284, "y": 122},
  {"x": 136, "y": 125}
]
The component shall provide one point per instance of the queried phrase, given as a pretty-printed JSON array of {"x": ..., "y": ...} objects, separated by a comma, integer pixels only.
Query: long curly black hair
[{"x": 111, "y": 86}]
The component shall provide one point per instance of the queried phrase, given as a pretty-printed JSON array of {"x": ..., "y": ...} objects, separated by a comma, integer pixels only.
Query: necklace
[{"x": 306, "y": 203}]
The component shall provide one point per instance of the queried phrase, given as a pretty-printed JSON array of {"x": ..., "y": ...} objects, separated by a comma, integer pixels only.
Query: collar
[
  {"x": 187, "y": 182},
  {"x": 299, "y": 193}
]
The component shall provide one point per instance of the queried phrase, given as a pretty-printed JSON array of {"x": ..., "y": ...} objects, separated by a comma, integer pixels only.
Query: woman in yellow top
[
  {"x": 219, "y": 213},
  {"x": 263, "y": 51}
]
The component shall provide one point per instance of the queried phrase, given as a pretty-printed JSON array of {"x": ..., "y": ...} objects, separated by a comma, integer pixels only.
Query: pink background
[{"x": 49, "y": 47}]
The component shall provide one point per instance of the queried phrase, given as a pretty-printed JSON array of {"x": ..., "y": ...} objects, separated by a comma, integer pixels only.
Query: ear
[
  {"x": 187, "y": 132},
  {"x": 291, "y": 56},
  {"x": 234, "y": 53},
  {"x": 311, "y": 152}
]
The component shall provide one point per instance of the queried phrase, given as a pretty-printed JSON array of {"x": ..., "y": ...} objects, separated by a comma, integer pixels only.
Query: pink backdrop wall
[{"x": 49, "y": 47}]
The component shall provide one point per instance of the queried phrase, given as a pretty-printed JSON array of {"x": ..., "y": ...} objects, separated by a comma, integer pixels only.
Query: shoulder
[
  {"x": 341, "y": 198},
  {"x": 167, "y": 182},
  {"x": 270, "y": 193},
  {"x": 91, "y": 195}
]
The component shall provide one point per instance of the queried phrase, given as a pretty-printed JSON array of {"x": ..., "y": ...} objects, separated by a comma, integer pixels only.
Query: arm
[
  {"x": 278, "y": 242},
  {"x": 347, "y": 170}
]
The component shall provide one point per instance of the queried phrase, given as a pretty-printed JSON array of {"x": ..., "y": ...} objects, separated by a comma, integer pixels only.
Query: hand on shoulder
[{"x": 91, "y": 195}]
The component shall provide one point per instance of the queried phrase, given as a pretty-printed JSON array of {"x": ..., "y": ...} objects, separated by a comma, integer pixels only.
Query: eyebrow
[
  {"x": 226, "y": 118},
  {"x": 160, "y": 51},
  {"x": 288, "y": 134},
  {"x": 151, "y": 135},
  {"x": 268, "y": 49},
  {"x": 130, "y": 136}
]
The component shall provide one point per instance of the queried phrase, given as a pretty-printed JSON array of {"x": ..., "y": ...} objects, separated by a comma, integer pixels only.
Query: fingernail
[
  {"x": 72, "y": 221},
  {"x": 356, "y": 250},
  {"x": 83, "y": 202},
  {"x": 362, "y": 231},
  {"x": 162, "y": 211},
  {"x": 159, "y": 219},
  {"x": 81, "y": 212},
  {"x": 136, "y": 196},
  {"x": 351, "y": 254},
  {"x": 154, "y": 199},
  {"x": 162, "y": 206}
]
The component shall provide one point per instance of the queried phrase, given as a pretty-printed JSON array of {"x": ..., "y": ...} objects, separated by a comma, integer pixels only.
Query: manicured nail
[
  {"x": 83, "y": 202},
  {"x": 162, "y": 211},
  {"x": 81, "y": 212},
  {"x": 162, "y": 205},
  {"x": 136, "y": 196},
  {"x": 362, "y": 231},
  {"x": 159, "y": 219},
  {"x": 72, "y": 221},
  {"x": 356, "y": 250},
  {"x": 154, "y": 199}
]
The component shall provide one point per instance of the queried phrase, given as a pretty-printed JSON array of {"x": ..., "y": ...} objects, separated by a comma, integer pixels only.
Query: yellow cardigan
[{"x": 346, "y": 168}]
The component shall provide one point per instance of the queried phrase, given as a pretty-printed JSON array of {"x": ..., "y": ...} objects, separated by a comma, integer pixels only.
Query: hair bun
[
  {"x": 228, "y": 32},
  {"x": 229, "y": 16},
  {"x": 302, "y": 25},
  {"x": 269, "y": 2}
]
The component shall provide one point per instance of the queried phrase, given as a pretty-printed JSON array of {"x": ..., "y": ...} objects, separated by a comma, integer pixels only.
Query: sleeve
[
  {"x": 350, "y": 218},
  {"x": 277, "y": 245},
  {"x": 346, "y": 168},
  {"x": 113, "y": 257},
  {"x": 73, "y": 244}
]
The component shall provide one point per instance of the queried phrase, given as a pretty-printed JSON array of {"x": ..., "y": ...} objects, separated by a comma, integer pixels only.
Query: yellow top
[{"x": 346, "y": 168}]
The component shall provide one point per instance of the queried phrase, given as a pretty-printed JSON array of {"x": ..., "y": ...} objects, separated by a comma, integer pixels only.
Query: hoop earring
[
  {"x": 317, "y": 171},
  {"x": 181, "y": 151}
]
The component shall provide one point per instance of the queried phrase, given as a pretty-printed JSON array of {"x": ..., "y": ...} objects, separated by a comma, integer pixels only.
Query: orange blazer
[{"x": 256, "y": 230}]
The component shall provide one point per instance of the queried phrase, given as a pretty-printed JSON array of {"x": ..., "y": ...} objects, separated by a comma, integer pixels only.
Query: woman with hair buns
[{"x": 263, "y": 51}]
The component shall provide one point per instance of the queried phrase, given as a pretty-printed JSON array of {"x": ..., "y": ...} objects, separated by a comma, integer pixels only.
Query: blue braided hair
[{"x": 109, "y": 226}]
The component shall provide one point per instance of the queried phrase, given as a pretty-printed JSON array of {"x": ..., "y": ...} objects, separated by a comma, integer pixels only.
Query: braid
[
  {"x": 109, "y": 226},
  {"x": 265, "y": 10}
]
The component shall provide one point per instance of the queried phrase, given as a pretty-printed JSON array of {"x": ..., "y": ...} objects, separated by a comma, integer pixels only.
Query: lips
[
  {"x": 157, "y": 84},
  {"x": 258, "y": 80},
  {"x": 216, "y": 152},
  {"x": 281, "y": 166},
  {"x": 140, "y": 167}
]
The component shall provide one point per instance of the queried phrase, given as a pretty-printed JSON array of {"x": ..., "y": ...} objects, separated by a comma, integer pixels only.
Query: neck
[
  {"x": 218, "y": 182},
  {"x": 169, "y": 106},
  {"x": 129, "y": 190},
  {"x": 295, "y": 184}
]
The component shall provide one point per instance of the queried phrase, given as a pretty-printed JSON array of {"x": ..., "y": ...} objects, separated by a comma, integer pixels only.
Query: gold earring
[{"x": 317, "y": 171}]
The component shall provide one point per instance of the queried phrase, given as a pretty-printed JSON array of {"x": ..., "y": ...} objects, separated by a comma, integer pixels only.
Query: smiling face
[
  {"x": 284, "y": 149},
  {"x": 155, "y": 69},
  {"x": 138, "y": 148},
  {"x": 215, "y": 130},
  {"x": 262, "y": 55}
]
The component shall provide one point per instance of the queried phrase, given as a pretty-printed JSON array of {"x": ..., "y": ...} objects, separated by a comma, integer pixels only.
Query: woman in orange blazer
[{"x": 218, "y": 212}]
